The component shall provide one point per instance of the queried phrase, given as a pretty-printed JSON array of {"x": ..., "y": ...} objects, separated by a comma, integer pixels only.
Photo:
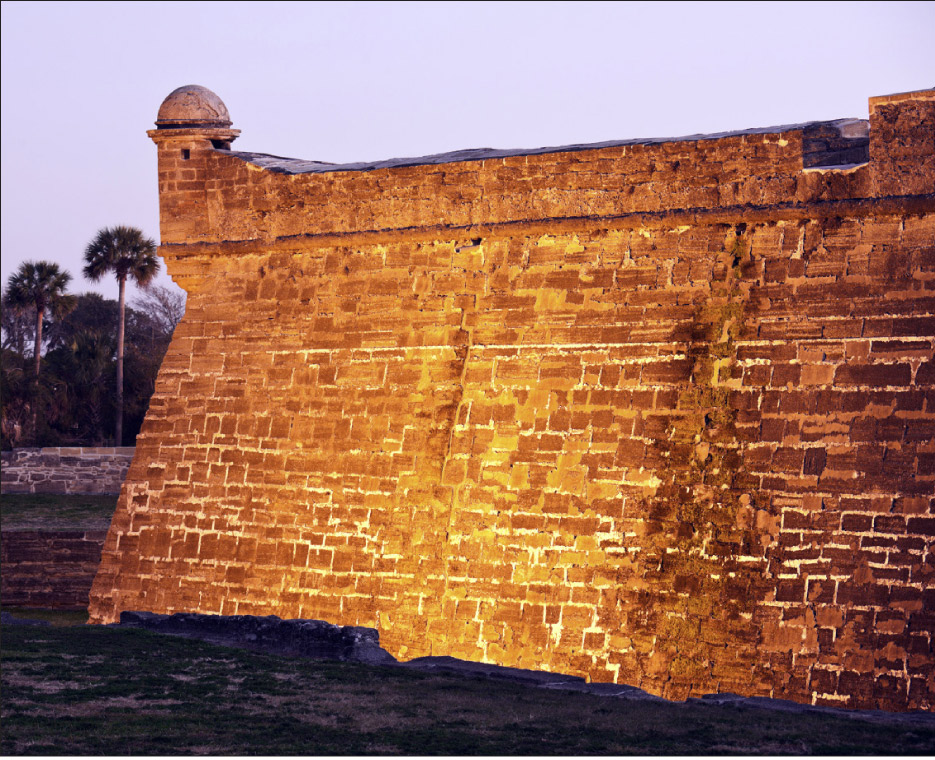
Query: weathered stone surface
[
  {"x": 903, "y": 143},
  {"x": 192, "y": 104},
  {"x": 655, "y": 414}
]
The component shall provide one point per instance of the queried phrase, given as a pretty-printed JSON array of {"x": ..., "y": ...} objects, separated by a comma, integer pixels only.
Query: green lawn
[
  {"x": 56, "y": 512},
  {"x": 95, "y": 690},
  {"x": 57, "y": 618}
]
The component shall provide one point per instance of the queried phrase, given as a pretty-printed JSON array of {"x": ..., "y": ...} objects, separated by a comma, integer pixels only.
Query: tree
[
  {"x": 17, "y": 395},
  {"x": 82, "y": 357},
  {"x": 92, "y": 312},
  {"x": 125, "y": 252},
  {"x": 18, "y": 328},
  {"x": 165, "y": 307},
  {"x": 84, "y": 394},
  {"x": 39, "y": 286},
  {"x": 151, "y": 321}
]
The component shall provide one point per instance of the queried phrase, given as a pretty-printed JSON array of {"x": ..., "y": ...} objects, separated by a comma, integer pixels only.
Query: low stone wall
[
  {"x": 51, "y": 569},
  {"x": 304, "y": 638},
  {"x": 65, "y": 470}
]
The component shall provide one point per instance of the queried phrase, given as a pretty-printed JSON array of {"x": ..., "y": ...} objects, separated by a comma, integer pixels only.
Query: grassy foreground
[
  {"x": 92, "y": 690},
  {"x": 56, "y": 511}
]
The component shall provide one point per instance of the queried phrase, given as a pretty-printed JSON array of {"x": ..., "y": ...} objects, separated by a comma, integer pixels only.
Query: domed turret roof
[{"x": 190, "y": 106}]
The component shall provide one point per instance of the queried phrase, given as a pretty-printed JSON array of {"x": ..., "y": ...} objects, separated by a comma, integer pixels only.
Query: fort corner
[{"x": 657, "y": 412}]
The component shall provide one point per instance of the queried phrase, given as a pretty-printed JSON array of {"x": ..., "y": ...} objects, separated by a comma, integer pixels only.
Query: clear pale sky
[{"x": 81, "y": 84}]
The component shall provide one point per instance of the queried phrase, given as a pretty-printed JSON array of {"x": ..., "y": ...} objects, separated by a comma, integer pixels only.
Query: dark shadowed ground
[{"x": 73, "y": 689}]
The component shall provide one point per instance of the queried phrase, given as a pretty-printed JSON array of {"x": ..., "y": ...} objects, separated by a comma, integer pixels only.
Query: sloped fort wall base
[{"x": 660, "y": 413}]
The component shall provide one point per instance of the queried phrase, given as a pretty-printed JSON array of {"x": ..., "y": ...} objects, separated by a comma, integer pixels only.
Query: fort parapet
[{"x": 659, "y": 412}]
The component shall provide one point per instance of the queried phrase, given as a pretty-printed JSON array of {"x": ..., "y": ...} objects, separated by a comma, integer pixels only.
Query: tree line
[{"x": 80, "y": 369}]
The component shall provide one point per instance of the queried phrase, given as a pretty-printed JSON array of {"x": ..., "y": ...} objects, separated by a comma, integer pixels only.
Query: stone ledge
[
  {"x": 71, "y": 451},
  {"x": 899, "y": 97}
]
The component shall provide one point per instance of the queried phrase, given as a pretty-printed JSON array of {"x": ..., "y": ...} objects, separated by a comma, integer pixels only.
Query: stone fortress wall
[{"x": 653, "y": 412}]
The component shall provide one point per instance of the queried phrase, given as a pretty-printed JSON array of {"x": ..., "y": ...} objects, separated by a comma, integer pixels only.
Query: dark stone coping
[
  {"x": 538, "y": 678},
  {"x": 845, "y": 128},
  {"x": 785, "y": 705},
  {"x": 272, "y": 635}
]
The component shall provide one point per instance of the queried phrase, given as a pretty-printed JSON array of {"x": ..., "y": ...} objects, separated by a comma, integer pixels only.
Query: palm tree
[
  {"x": 39, "y": 286},
  {"x": 127, "y": 253}
]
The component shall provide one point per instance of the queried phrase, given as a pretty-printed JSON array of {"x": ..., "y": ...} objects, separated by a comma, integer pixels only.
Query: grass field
[
  {"x": 56, "y": 511},
  {"x": 57, "y": 618},
  {"x": 94, "y": 690}
]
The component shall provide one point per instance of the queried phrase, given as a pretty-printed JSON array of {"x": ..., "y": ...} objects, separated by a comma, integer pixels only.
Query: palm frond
[
  {"x": 38, "y": 285},
  {"x": 123, "y": 250}
]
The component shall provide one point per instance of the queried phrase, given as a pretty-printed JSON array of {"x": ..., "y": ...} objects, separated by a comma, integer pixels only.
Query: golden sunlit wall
[{"x": 657, "y": 414}]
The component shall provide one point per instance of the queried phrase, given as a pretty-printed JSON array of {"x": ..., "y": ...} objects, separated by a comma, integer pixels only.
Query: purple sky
[{"x": 81, "y": 84}]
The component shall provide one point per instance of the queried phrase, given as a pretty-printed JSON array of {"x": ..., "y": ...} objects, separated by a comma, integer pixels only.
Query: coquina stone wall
[
  {"x": 659, "y": 412},
  {"x": 65, "y": 470}
]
